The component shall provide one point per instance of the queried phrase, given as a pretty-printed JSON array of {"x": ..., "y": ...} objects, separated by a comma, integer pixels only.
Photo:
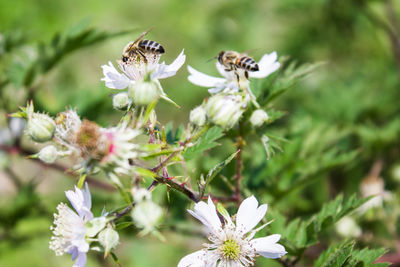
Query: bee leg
[
  {"x": 237, "y": 77},
  {"x": 236, "y": 74},
  {"x": 246, "y": 74},
  {"x": 142, "y": 55}
]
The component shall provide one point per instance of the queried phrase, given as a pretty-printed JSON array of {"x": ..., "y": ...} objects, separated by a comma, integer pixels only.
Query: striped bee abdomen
[
  {"x": 247, "y": 63},
  {"x": 151, "y": 46}
]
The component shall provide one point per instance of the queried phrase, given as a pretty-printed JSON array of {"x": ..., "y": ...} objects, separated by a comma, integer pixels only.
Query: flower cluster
[
  {"x": 230, "y": 94},
  {"x": 119, "y": 150},
  {"x": 94, "y": 146}
]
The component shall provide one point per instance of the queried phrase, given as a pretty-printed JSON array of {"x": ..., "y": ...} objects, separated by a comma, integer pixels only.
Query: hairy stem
[{"x": 238, "y": 170}]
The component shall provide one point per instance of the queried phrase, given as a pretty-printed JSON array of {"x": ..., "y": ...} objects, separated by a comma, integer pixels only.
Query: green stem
[{"x": 82, "y": 179}]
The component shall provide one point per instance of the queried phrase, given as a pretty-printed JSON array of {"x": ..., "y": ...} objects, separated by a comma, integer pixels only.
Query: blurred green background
[{"x": 349, "y": 104}]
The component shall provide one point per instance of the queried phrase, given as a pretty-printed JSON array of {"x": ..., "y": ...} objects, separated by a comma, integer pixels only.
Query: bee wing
[
  {"x": 141, "y": 36},
  {"x": 129, "y": 46},
  {"x": 246, "y": 52}
]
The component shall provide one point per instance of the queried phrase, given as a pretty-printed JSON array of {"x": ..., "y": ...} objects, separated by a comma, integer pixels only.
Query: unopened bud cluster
[
  {"x": 144, "y": 92},
  {"x": 225, "y": 110},
  {"x": 40, "y": 127}
]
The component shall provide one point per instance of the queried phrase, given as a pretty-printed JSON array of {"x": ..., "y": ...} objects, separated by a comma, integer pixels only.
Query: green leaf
[
  {"x": 288, "y": 78},
  {"x": 123, "y": 225},
  {"x": 344, "y": 254},
  {"x": 330, "y": 214},
  {"x": 218, "y": 168},
  {"x": 60, "y": 46},
  {"x": 368, "y": 256},
  {"x": 145, "y": 172},
  {"x": 335, "y": 255},
  {"x": 207, "y": 141}
]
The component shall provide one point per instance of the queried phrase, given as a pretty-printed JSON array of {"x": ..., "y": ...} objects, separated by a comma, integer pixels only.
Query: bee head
[
  {"x": 125, "y": 59},
  {"x": 221, "y": 57}
]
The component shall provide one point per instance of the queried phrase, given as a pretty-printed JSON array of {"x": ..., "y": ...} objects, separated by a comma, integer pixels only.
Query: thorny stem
[
  {"x": 162, "y": 164},
  {"x": 178, "y": 186},
  {"x": 238, "y": 170},
  {"x": 124, "y": 212},
  {"x": 58, "y": 167}
]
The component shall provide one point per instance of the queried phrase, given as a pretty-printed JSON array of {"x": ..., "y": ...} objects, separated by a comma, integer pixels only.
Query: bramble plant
[{"x": 138, "y": 155}]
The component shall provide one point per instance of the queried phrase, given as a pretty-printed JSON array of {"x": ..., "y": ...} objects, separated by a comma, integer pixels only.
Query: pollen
[
  {"x": 90, "y": 140},
  {"x": 230, "y": 250}
]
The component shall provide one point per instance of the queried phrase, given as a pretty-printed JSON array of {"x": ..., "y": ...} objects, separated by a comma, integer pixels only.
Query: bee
[
  {"x": 233, "y": 60},
  {"x": 140, "y": 48}
]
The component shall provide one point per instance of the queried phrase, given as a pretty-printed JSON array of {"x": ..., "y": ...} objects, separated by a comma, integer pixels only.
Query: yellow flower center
[{"x": 230, "y": 250}]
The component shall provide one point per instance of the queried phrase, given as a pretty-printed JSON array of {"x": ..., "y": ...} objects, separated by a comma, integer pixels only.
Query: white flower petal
[
  {"x": 196, "y": 259},
  {"x": 164, "y": 71},
  {"x": 81, "y": 201},
  {"x": 267, "y": 65},
  {"x": 215, "y": 90},
  {"x": 207, "y": 214},
  {"x": 81, "y": 261},
  {"x": 248, "y": 215},
  {"x": 268, "y": 246},
  {"x": 87, "y": 199},
  {"x": 229, "y": 75},
  {"x": 113, "y": 78},
  {"x": 178, "y": 62},
  {"x": 220, "y": 68},
  {"x": 201, "y": 79}
]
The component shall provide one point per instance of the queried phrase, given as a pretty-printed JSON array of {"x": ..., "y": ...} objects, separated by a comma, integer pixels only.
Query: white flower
[
  {"x": 229, "y": 83},
  {"x": 70, "y": 228},
  {"x": 120, "y": 148},
  {"x": 373, "y": 186},
  {"x": 139, "y": 71},
  {"x": 233, "y": 245},
  {"x": 68, "y": 124}
]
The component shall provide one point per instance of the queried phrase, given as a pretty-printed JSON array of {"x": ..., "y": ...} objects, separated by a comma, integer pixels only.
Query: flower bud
[
  {"x": 143, "y": 93},
  {"x": 48, "y": 154},
  {"x": 94, "y": 226},
  {"x": 225, "y": 110},
  {"x": 198, "y": 116},
  {"x": 258, "y": 117},
  {"x": 146, "y": 215},
  {"x": 140, "y": 194},
  {"x": 348, "y": 228},
  {"x": 109, "y": 239},
  {"x": 40, "y": 127},
  {"x": 121, "y": 101}
]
